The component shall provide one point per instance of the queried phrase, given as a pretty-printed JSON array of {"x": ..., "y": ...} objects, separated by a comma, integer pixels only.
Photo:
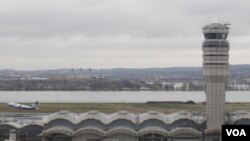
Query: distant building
[{"x": 144, "y": 88}]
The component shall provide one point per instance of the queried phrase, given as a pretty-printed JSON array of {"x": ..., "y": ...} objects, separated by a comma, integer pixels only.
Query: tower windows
[{"x": 215, "y": 35}]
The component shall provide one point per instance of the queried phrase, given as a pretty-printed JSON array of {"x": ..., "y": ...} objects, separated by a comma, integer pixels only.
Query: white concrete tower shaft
[{"x": 215, "y": 70}]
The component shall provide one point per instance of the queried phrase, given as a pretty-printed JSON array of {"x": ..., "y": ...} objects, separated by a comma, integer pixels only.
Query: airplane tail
[{"x": 35, "y": 105}]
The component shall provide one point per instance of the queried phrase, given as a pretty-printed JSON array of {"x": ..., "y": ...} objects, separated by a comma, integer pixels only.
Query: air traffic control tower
[{"x": 215, "y": 70}]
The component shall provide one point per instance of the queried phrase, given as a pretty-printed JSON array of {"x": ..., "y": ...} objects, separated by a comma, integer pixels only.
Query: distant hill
[{"x": 172, "y": 73}]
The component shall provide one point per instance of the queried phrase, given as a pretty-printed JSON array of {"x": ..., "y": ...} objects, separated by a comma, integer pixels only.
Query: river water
[{"x": 114, "y": 97}]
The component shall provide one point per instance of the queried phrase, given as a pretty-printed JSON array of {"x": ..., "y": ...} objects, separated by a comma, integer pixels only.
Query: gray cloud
[{"x": 115, "y": 33}]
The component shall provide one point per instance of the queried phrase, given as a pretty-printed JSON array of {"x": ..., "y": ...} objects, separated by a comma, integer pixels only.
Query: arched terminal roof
[
  {"x": 58, "y": 129},
  {"x": 238, "y": 115},
  {"x": 134, "y": 118},
  {"x": 150, "y": 130},
  {"x": 20, "y": 125},
  {"x": 74, "y": 124}
]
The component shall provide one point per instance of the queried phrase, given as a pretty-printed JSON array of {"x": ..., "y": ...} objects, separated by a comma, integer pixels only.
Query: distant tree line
[
  {"x": 67, "y": 84},
  {"x": 102, "y": 85}
]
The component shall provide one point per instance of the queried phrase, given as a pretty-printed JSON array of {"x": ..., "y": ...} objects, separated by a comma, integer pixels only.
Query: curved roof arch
[
  {"x": 171, "y": 118},
  {"x": 60, "y": 122},
  {"x": 12, "y": 125},
  {"x": 92, "y": 115},
  {"x": 238, "y": 115},
  {"x": 66, "y": 115},
  {"x": 122, "y": 123},
  {"x": 32, "y": 124},
  {"x": 91, "y": 123},
  {"x": 187, "y": 121},
  {"x": 58, "y": 129},
  {"x": 153, "y": 123},
  {"x": 152, "y": 115},
  {"x": 242, "y": 121},
  {"x": 87, "y": 130},
  {"x": 122, "y": 115},
  {"x": 121, "y": 130},
  {"x": 181, "y": 131},
  {"x": 184, "y": 115},
  {"x": 152, "y": 129}
]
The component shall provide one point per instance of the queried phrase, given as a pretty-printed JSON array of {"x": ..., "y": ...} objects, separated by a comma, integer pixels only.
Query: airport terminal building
[{"x": 120, "y": 126}]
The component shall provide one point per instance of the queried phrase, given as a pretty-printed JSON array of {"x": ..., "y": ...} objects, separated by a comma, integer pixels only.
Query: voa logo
[{"x": 236, "y": 132}]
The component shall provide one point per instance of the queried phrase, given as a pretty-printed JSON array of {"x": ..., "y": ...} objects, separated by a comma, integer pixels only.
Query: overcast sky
[{"x": 49, "y": 34}]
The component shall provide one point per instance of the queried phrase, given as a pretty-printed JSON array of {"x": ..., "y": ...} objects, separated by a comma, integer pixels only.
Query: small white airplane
[{"x": 14, "y": 105}]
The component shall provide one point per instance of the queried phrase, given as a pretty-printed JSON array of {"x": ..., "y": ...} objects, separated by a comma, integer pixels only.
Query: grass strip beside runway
[{"x": 131, "y": 107}]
